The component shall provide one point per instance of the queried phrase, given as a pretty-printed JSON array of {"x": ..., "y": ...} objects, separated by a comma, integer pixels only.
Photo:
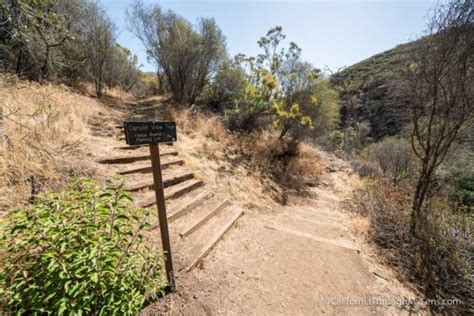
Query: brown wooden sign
[
  {"x": 149, "y": 132},
  {"x": 153, "y": 133}
]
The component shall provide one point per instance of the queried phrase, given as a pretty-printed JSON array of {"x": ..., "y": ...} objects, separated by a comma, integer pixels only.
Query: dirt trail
[
  {"x": 299, "y": 259},
  {"x": 198, "y": 215}
]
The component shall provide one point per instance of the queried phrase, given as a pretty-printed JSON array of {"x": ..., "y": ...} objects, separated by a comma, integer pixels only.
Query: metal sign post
[{"x": 152, "y": 133}]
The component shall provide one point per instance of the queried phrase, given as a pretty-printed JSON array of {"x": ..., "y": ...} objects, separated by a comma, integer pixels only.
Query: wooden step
[
  {"x": 172, "y": 192},
  {"x": 200, "y": 221},
  {"x": 133, "y": 158},
  {"x": 167, "y": 181},
  {"x": 180, "y": 211},
  {"x": 184, "y": 209},
  {"x": 127, "y": 147},
  {"x": 177, "y": 191},
  {"x": 147, "y": 169},
  {"x": 146, "y": 108},
  {"x": 215, "y": 239},
  {"x": 333, "y": 242}
]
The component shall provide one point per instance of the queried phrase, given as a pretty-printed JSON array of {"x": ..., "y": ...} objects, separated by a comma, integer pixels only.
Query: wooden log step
[
  {"x": 182, "y": 210},
  {"x": 133, "y": 158},
  {"x": 317, "y": 221},
  {"x": 337, "y": 243},
  {"x": 215, "y": 239},
  {"x": 200, "y": 221},
  {"x": 313, "y": 214},
  {"x": 147, "y": 169},
  {"x": 172, "y": 193},
  {"x": 146, "y": 108},
  {"x": 127, "y": 147},
  {"x": 177, "y": 191},
  {"x": 167, "y": 181}
]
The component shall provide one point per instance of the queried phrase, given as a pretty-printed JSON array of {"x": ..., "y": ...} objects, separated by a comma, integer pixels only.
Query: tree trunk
[
  {"x": 18, "y": 62},
  {"x": 44, "y": 68},
  {"x": 161, "y": 88},
  {"x": 419, "y": 197}
]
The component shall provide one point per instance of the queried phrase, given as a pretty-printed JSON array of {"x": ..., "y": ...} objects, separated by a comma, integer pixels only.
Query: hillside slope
[
  {"x": 373, "y": 80},
  {"x": 47, "y": 136},
  {"x": 299, "y": 258}
]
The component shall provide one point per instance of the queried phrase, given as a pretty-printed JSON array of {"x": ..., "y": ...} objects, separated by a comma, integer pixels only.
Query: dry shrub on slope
[
  {"x": 260, "y": 153},
  {"x": 439, "y": 262},
  {"x": 43, "y": 138}
]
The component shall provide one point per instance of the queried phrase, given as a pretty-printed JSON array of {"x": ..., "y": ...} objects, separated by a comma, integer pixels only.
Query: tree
[
  {"x": 67, "y": 40},
  {"x": 98, "y": 39},
  {"x": 394, "y": 157},
  {"x": 186, "y": 56},
  {"x": 32, "y": 32},
  {"x": 282, "y": 90},
  {"x": 439, "y": 90},
  {"x": 225, "y": 86},
  {"x": 299, "y": 105},
  {"x": 121, "y": 68}
]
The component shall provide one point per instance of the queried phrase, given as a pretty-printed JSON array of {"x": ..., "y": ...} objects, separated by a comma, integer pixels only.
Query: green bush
[
  {"x": 226, "y": 86},
  {"x": 463, "y": 187},
  {"x": 80, "y": 251}
]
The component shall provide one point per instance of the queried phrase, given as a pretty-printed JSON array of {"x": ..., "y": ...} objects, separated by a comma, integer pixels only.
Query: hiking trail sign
[
  {"x": 149, "y": 132},
  {"x": 153, "y": 133}
]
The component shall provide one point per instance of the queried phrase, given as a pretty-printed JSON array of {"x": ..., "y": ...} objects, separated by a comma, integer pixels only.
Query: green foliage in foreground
[{"x": 80, "y": 251}]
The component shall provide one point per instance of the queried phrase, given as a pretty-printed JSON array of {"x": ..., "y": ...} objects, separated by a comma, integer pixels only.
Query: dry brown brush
[
  {"x": 439, "y": 261},
  {"x": 42, "y": 141},
  {"x": 262, "y": 153}
]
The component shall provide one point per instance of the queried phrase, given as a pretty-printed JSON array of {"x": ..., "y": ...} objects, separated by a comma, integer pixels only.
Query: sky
[{"x": 331, "y": 34}]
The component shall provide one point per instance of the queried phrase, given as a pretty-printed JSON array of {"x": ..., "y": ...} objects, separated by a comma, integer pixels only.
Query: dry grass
[
  {"x": 254, "y": 155},
  {"x": 44, "y": 141},
  {"x": 438, "y": 260},
  {"x": 360, "y": 226},
  {"x": 305, "y": 168}
]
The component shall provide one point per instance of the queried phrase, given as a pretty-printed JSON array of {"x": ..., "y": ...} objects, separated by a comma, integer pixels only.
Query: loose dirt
[{"x": 298, "y": 259}]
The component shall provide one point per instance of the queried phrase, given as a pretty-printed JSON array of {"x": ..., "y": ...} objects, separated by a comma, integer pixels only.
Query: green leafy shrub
[
  {"x": 226, "y": 86},
  {"x": 79, "y": 251},
  {"x": 463, "y": 189}
]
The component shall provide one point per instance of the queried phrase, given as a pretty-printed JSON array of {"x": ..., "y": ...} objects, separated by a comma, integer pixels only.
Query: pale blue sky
[{"x": 330, "y": 33}]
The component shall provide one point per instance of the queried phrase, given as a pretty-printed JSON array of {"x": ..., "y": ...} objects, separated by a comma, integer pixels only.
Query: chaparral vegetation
[{"x": 72, "y": 241}]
